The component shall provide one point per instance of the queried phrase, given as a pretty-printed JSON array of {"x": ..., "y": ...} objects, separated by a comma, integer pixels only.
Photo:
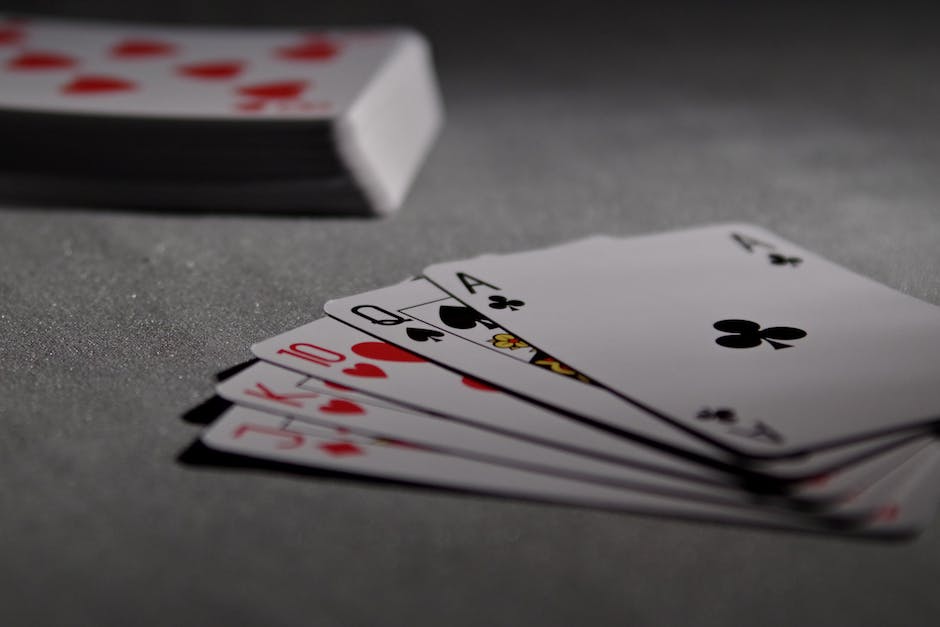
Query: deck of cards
[
  {"x": 719, "y": 373},
  {"x": 214, "y": 119}
]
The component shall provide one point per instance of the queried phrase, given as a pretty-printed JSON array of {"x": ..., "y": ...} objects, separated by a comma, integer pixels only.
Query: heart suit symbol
[
  {"x": 142, "y": 49},
  {"x": 277, "y": 90},
  {"x": 316, "y": 50},
  {"x": 366, "y": 370},
  {"x": 91, "y": 85},
  {"x": 212, "y": 70},
  {"x": 384, "y": 352},
  {"x": 340, "y": 406},
  {"x": 40, "y": 61}
]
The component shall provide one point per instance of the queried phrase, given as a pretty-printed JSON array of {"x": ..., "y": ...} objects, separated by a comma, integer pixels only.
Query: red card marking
[
  {"x": 277, "y": 90},
  {"x": 294, "y": 400},
  {"x": 316, "y": 50},
  {"x": 477, "y": 385},
  {"x": 142, "y": 49},
  {"x": 10, "y": 35},
  {"x": 365, "y": 370},
  {"x": 289, "y": 439},
  {"x": 384, "y": 352},
  {"x": 212, "y": 70},
  {"x": 341, "y": 449},
  {"x": 888, "y": 513},
  {"x": 91, "y": 85},
  {"x": 337, "y": 386},
  {"x": 41, "y": 61},
  {"x": 340, "y": 406}
]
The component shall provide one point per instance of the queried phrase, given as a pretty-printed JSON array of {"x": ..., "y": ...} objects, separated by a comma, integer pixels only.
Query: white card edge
[{"x": 385, "y": 135}]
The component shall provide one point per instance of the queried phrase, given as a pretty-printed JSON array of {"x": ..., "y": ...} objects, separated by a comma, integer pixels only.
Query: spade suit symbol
[
  {"x": 747, "y": 334},
  {"x": 423, "y": 335},
  {"x": 461, "y": 317}
]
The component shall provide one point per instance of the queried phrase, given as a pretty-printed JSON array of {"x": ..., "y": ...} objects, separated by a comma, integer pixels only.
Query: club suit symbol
[
  {"x": 747, "y": 334},
  {"x": 501, "y": 302},
  {"x": 782, "y": 260}
]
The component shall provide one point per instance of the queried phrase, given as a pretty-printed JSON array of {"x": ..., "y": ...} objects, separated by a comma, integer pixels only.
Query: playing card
[
  {"x": 64, "y": 66},
  {"x": 725, "y": 330},
  {"x": 341, "y": 355},
  {"x": 902, "y": 486},
  {"x": 254, "y": 433},
  {"x": 420, "y": 317},
  {"x": 846, "y": 484},
  {"x": 236, "y": 119},
  {"x": 274, "y": 389},
  {"x": 330, "y": 350},
  {"x": 277, "y": 390}
]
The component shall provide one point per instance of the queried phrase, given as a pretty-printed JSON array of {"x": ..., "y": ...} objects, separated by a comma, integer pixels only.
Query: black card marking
[
  {"x": 501, "y": 302},
  {"x": 471, "y": 282},
  {"x": 423, "y": 335},
  {"x": 747, "y": 334},
  {"x": 720, "y": 414},
  {"x": 760, "y": 431},
  {"x": 377, "y": 315},
  {"x": 783, "y": 260},
  {"x": 750, "y": 243},
  {"x": 460, "y": 317}
]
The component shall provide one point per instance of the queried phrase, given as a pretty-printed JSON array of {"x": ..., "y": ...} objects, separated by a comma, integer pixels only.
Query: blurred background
[{"x": 818, "y": 120}]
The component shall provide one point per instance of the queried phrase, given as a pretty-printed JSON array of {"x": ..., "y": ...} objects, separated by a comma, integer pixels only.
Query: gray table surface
[{"x": 563, "y": 121}]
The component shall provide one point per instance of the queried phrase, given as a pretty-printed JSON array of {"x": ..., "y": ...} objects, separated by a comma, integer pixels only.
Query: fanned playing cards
[
  {"x": 717, "y": 373},
  {"x": 213, "y": 118}
]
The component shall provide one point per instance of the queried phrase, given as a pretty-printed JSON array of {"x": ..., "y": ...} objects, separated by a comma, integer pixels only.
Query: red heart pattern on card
[
  {"x": 276, "y": 90},
  {"x": 337, "y": 386},
  {"x": 341, "y": 449},
  {"x": 142, "y": 49},
  {"x": 95, "y": 85},
  {"x": 365, "y": 370},
  {"x": 340, "y": 406},
  {"x": 212, "y": 70},
  {"x": 384, "y": 352},
  {"x": 10, "y": 35},
  {"x": 28, "y": 61},
  {"x": 315, "y": 50},
  {"x": 477, "y": 385}
]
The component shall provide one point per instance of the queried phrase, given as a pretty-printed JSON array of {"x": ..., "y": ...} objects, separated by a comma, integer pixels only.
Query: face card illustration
[
  {"x": 726, "y": 330},
  {"x": 423, "y": 319},
  {"x": 56, "y": 66},
  {"x": 253, "y": 433}
]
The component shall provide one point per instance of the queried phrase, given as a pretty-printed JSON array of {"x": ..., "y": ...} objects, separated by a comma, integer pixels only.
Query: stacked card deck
[
  {"x": 214, "y": 118},
  {"x": 718, "y": 373}
]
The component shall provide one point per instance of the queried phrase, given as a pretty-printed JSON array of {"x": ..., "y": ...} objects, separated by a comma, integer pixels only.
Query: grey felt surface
[{"x": 821, "y": 125}]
